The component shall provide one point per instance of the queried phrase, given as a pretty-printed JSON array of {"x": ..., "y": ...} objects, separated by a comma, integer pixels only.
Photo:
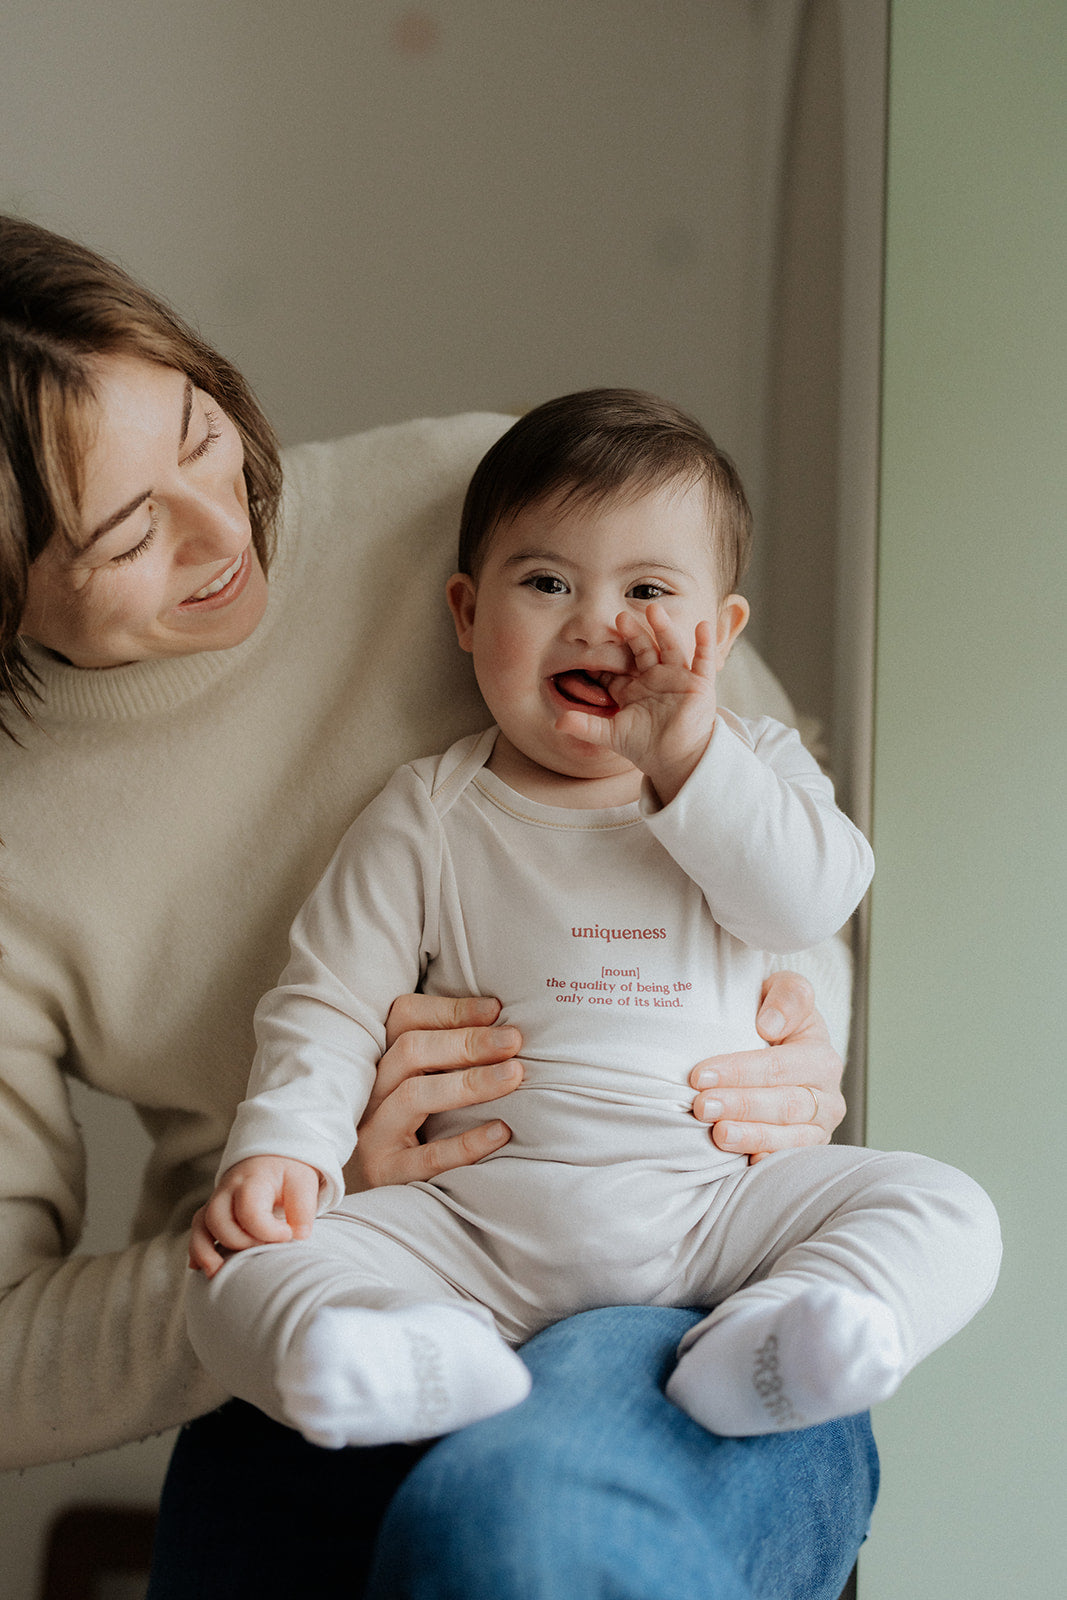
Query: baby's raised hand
[
  {"x": 666, "y": 704},
  {"x": 261, "y": 1200}
]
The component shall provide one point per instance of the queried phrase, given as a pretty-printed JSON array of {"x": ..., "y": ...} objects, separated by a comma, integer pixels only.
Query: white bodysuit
[{"x": 626, "y": 945}]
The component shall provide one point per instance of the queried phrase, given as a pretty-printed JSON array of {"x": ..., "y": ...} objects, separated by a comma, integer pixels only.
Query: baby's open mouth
[{"x": 585, "y": 689}]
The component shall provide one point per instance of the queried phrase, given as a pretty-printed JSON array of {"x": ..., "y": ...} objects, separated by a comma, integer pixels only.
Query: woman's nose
[{"x": 213, "y": 525}]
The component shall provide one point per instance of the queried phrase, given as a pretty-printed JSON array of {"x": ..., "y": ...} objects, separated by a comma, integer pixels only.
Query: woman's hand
[
  {"x": 441, "y": 1055},
  {"x": 777, "y": 1099}
]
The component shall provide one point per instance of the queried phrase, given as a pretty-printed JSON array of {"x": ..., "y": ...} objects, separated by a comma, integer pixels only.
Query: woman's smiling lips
[
  {"x": 584, "y": 689},
  {"x": 227, "y": 586}
]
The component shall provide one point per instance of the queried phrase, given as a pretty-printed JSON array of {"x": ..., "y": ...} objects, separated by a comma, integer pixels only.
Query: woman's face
[{"x": 166, "y": 565}]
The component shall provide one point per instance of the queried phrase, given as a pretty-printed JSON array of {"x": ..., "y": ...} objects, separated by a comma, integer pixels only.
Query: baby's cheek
[{"x": 510, "y": 656}]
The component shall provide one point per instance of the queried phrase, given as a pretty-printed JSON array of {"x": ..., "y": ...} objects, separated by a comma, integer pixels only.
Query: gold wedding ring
[{"x": 814, "y": 1101}]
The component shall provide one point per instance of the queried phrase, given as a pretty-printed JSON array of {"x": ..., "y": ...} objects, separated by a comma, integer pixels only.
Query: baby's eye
[
  {"x": 646, "y": 591},
  {"x": 545, "y": 583}
]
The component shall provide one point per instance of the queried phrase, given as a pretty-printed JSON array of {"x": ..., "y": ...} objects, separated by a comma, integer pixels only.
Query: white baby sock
[
  {"x": 357, "y": 1376},
  {"x": 773, "y": 1366}
]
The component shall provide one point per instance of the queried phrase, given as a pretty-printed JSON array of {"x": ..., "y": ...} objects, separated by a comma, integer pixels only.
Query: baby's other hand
[{"x": 261, "y": 1200}]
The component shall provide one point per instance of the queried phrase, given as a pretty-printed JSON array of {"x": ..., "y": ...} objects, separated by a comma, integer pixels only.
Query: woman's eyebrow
[
  {"x": 138, "y": 500},
  {"x": 118, "y": 516}
]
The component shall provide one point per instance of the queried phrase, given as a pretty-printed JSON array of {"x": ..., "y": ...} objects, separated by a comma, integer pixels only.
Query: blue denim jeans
[{"x": 595, "y": 1487}]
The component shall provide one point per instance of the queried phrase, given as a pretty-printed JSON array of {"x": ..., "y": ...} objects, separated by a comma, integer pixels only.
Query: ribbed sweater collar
[{"x": 123, "y": 694}]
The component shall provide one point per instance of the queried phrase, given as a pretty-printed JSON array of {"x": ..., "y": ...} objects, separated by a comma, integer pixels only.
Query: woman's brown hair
[{"x": 61, "y": 306}]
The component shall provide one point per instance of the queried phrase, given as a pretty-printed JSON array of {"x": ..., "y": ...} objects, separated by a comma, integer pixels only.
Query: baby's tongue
[{"x": 581, "y": 687}]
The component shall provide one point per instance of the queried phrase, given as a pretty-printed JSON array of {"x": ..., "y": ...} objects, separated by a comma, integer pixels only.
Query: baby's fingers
[
  {"x": 584, "y": 725},
  {"x": 215, "y": 1231},
  {"x": 253, "y": 1217},
  {"x": 639, "y": 639},
  {"x": 204, "y": 1255},
  {"x": 653, "y": 639},
  {"x": 670, "y": 648},
  {"x": 703, "y": 663},
  {"x": 300, "y": 1198}
]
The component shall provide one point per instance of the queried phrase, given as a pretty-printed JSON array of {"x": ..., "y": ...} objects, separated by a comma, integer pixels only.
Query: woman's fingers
[
  {"x": 752, "y": 1121},
  {"x": 798, "y": 1094},
  {"x": 782, "y": 1098},
  {"x": 403, "y": 1112},
  {"x": 787, "y": 1009},
  {"x": 443, "y": 1054},
  {"x": 783, "y": 1066},
  {"x": 422, "y": 1052},
  {"x": 793, "y": 1107},
  {"x": 389, "y": 1149},
  {"x": 757, "y": 1139},
  {"x": 430, "y": 1011},
  {"x": 421, "y": 1162}
]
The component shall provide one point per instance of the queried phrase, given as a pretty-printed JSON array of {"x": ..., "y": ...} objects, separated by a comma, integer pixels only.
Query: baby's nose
[{"x": 592, "y": 620}]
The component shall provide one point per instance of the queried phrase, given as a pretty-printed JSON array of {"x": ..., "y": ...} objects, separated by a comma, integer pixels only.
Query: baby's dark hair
[{"x": 598, "y": 445}]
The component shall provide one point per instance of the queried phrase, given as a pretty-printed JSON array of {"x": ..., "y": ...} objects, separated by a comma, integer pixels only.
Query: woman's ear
[
  {"x": 460, "y": 593},
  {"x": 733, "y": 614}
]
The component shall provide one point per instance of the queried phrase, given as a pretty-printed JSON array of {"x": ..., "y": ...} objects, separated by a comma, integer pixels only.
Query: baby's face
[{"x": 540, "y": 620}]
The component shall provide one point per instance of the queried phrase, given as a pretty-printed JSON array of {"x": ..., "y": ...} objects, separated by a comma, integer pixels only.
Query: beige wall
[
  {"x": 377, "y": 219},
  {"x": 968, "y": 926}
]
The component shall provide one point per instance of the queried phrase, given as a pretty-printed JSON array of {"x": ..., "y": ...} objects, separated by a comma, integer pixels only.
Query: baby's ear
[
  {"x": 460, "y": 593},
  {"x": 733, "y": 614}
]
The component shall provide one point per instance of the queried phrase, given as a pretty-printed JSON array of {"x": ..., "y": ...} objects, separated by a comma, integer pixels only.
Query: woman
[{"x": 189, "y": 741}]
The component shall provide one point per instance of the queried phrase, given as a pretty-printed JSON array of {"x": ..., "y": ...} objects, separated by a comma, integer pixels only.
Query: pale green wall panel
[{"x": 969, "y": 954}]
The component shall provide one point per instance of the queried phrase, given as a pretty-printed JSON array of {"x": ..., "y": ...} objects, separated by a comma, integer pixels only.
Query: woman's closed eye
[
  {"x": 214, "y": 433},
  {"x": 138, "y": 549},
  {"x": 211, "y": 437}
]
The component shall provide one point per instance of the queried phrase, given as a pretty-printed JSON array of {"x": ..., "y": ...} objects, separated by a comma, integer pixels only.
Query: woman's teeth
[{"x": 221, "y": 581}]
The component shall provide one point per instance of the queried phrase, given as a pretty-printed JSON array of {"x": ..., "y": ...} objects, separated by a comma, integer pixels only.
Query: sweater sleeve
[
  {"x": 359, "y": 941},
  {"x": 161, "y": 823},
  {"x": 92, "y": 1348},
  {"x": 756, "y": 826}
]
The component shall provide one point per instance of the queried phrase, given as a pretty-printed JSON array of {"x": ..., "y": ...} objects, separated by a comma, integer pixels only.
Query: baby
[{"x": 618, "y": 860}]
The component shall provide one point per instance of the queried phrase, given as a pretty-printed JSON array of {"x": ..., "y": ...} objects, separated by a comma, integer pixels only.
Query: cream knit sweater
[{"x": 162, "y": 824}]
